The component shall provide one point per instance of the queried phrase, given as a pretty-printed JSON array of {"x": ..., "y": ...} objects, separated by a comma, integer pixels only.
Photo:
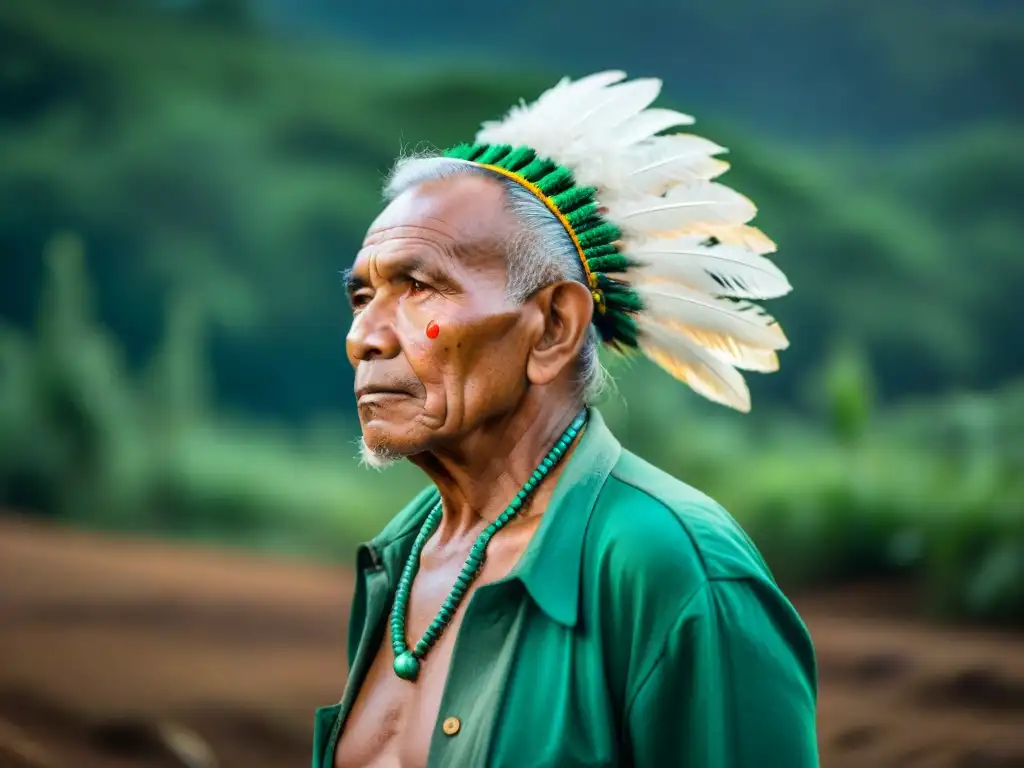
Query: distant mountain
[
  {"x": 207, "y": 159},
  {"x": 865, "y": 72}
]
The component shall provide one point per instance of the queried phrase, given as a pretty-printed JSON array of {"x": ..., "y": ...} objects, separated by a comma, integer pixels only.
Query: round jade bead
[{"x": 407, "y": 666}]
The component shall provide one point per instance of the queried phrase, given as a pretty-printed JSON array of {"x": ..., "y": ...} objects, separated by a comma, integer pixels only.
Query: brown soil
[{"x": 117, "y": 652}]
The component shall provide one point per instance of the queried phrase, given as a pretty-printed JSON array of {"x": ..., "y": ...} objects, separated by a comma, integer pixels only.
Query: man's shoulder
[
  {"x": 658, "y": 550},
  {"x": 647, "y": 522}
]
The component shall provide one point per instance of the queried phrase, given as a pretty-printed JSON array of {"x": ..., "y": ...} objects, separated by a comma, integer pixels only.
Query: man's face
[{"x": 433, "y": 256}]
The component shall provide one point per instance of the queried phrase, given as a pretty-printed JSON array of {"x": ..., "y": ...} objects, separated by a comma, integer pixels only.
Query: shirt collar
[{"x": 550, "y": 568}]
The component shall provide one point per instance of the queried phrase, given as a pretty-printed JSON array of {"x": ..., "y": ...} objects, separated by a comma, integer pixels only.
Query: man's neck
[{"x": 480, "y": 477}]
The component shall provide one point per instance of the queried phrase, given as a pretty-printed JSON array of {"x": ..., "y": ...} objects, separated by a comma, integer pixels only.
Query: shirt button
[{"x": 451, "y": 726}]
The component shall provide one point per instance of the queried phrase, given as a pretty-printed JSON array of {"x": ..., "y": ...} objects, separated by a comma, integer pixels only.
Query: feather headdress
[{"x": 669, "y": 254}]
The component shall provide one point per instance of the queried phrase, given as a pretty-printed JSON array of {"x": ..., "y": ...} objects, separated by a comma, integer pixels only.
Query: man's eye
[{"x": 417, "y": 286}]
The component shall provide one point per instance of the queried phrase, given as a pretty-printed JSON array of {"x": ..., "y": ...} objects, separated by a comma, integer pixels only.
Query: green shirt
[{"x": 639, "y": 628}]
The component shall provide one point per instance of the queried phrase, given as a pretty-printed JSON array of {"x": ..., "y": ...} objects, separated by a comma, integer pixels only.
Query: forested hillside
[
  {"x": 239, "y": 169},
  {"x": 180, "y": 184}
]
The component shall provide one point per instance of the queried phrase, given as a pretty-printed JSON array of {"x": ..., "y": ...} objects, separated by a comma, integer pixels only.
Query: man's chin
[
  {"x": 376, "y": 451},
  {"x": 388, "y": 437},
  {"x": 378, "y": 457}
]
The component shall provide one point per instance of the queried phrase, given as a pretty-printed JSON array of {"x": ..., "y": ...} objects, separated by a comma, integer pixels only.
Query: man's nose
[{"x": 372, "y": 334}]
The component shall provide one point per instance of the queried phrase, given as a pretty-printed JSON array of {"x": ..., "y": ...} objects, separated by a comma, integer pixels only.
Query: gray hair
[{"x": 542, "y": 254}]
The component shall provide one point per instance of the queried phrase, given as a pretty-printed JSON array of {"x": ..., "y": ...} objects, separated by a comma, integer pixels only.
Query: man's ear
[{"x": 566, "y": 308}]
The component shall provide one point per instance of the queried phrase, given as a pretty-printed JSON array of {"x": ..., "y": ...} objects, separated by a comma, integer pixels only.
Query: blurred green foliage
[
  {"x": 215, "y": 179},
  {"x": 931, "y": 491},
  {"x": 242, "y": 169},
  {"x": 85, "y": 440}
]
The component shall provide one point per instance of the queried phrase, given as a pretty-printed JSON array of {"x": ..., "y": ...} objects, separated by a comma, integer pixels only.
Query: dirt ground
[{"x": 121, "y": 653}]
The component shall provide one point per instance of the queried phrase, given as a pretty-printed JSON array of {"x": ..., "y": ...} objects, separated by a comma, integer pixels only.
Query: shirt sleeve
[{"x": 735, "y": 686}]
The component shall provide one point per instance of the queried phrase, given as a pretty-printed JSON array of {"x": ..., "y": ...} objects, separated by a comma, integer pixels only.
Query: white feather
[
  {"x": 582, "y": 87},
  {"x": 706, "y": 373},
  {"x": 700, "y": 202},
  {"x": 579, "y": 135},
  {"x": 747, "y": 323},
  {"x": 643, "y": 126},
  {"x": 665, "y": 160},
  {"x": 659, "y": 179},
  {"x": 742, "y": 235},
  {"x": 617, "y": 104},
  {"x": 563, "y": 92},
  {"x": 727, "y": 349},
  {"x": 661, "y": 148},
  {"x": 561, "y": 116},
  {"x": 530, "y": 124},
  {"x": 721, "y": 270},
  {"x": 624, "y": 177},
  {"x": 650, "y": 167}
]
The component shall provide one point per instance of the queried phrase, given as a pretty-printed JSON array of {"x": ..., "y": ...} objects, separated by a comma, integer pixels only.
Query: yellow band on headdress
[{"x": 539, "y": 194}]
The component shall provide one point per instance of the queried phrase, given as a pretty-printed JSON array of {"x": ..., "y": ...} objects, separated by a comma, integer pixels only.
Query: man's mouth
[{"x": 373, "y": 394}]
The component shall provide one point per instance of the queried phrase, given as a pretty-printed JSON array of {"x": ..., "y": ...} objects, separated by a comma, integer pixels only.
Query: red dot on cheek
[{"x": 432, "y": 330}]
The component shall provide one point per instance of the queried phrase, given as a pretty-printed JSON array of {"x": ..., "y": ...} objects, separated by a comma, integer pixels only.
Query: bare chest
[{"x": 393, "y": 721}]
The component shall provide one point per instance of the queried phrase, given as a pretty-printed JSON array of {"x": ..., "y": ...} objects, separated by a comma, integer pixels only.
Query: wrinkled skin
[
  {"x": 476, "y": 408},
  {"x": 496, "y": 375}
]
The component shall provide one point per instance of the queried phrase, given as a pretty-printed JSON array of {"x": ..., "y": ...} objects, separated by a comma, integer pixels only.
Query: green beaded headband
[
  {"x": 594, "y": 238},
  {"x": 668, "y": 253}
]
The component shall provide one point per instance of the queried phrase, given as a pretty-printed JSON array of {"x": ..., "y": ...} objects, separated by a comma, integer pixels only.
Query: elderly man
[{"x": 552, "y": 599}]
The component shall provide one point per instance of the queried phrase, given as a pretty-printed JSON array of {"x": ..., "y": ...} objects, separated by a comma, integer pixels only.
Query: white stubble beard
[{"x": 379, "y": 458}]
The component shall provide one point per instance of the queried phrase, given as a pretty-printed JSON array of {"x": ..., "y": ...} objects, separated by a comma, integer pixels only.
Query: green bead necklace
[{"x": 407, "y": 662}]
